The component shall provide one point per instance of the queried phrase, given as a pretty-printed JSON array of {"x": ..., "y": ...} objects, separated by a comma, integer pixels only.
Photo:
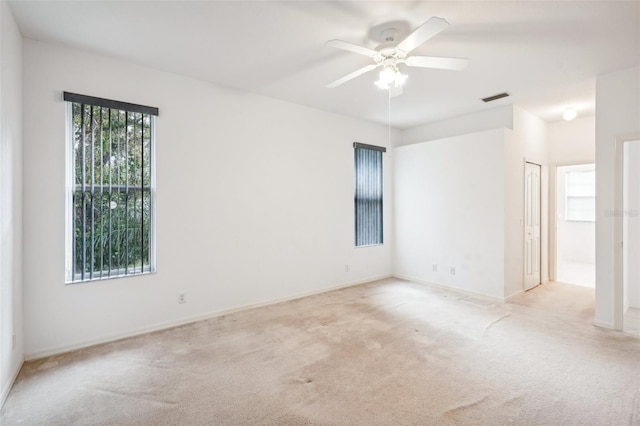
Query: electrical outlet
[
  {"x": 452, "y": 271},
  {"x": 182, "y": 298},
  {"x": 434, "y": 268},
  {"x": 346, "y": 268}
]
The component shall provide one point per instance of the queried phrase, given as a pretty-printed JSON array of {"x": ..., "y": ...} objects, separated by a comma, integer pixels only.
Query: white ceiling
[{"x": 546, "y": 54}]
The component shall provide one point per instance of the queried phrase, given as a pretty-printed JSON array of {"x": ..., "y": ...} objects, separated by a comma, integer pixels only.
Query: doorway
[
  {"x": 532, "y": 225},
  {"x": 575, "y": 253},
  {"x": 631, "y": 236}
]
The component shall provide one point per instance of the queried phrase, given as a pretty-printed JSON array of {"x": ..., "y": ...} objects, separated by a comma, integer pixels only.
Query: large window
[
  {"x": 580, "y": 191},
  {"x": 368, "y": 194},
  {"x": 110, "y": 188}
]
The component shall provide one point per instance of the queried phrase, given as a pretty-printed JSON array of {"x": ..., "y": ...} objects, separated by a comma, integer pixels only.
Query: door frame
[
  {"x": 553, "y": 214},
  {"x": 524, "y": 240},
  {"x": 618, "y": 231}
]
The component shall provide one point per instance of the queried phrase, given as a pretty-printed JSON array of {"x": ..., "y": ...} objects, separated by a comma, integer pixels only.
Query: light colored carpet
[{"x": 385, "y": 353}]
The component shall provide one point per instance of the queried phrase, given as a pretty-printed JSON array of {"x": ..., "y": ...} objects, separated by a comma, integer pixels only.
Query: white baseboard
[
  {"x": 513, "y": 296},
  {"x": 610, "y": 327},
  {"x": 606, "y": 325},
  {"x": 446, "y": 287},
  {"x": 7, "y": 387},
  {"x": 55, "y": 350}
]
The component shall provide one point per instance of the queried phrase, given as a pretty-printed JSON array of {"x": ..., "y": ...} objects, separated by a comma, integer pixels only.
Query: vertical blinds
[
  {"x": 368, "y": 194},
  {"x": 111, "y": 188}
]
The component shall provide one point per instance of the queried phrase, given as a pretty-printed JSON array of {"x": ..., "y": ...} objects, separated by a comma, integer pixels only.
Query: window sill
[
  {"x": 370, "y": 245},
  {"x": 109, "y": 278}
]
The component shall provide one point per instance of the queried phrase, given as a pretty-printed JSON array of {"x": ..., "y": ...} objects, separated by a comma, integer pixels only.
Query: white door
[{"x": 531, "y": 226}]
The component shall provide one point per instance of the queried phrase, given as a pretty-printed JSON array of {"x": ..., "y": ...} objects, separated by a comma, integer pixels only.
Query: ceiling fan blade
[
  {"x": 395, "y": 91},
  {"x": 353, "y": 75},
  {"x": 352, "y": 48},
  {"x": 455, "y": 64},
  {"x": 423, "y": 33}
]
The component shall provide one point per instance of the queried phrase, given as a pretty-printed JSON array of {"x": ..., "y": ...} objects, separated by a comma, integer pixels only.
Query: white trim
[
  {"x": 553, "y": 211},
  {"x": 514, "y": 295},
  {"x": 152, "y": 237},
  {"x": 574, "y": 163},
  {"x": 55, "y": 350},
  {"x": 7, "y": 388},
  {"x": 618, "y": 285},
  {"x": 632, "y": 334},
  {"x": 116, "y": 273},
  {"x": 553, "y": 222},
  {"x": 446, "y": 287},
  {"x": 69, "y": 183},
  {"x": 608, "y": 326}
]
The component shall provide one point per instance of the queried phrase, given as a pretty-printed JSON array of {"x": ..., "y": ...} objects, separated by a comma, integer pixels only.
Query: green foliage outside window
[{"x": 112, "y": 192}]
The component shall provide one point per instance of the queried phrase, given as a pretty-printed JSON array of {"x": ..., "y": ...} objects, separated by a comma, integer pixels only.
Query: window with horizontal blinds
[
  {"x": 110, "y": 181},
  {"x": 580, "y": 193},
  {"x": 368, "y": 195}
]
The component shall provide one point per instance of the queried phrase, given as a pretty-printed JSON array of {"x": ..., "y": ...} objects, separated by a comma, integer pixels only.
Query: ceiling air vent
[{"x": 495, "y": 97}]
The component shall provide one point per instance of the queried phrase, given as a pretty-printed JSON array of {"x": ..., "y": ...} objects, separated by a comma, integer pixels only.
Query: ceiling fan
[{"x": 389, "y": 55}]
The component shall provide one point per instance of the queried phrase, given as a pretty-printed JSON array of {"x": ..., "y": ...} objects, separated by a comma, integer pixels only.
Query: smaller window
[
  {"x": 580, "y": 196},
  {"x": 368, "y": 195}
]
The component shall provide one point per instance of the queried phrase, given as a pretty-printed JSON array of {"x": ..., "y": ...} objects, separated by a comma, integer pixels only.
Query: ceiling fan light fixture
[
  {"x": 390, "y": 76},
  {"x": 400, "y": 79},
  {"x": 387, "y": 76},
  {"x": 382, "y": 85}
]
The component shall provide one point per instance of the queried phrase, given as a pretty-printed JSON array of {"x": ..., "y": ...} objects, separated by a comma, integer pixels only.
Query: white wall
[
  {"x": 492, "y": 118},
  {"x": 572, "y": 142},
  {"x": 617, "y": 115},
  {"x": 11, "y": 353},
  {"x": 520, "y": 136},
  {"x": 526, "y": 142},
  {"x": 449, "y": 211},
  {"x": 631, "y": 221},
  {"x": 254, "y": 199}
]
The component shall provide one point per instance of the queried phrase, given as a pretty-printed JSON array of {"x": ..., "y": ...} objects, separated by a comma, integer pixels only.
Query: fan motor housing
[{"x": 390, "y": 32}]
